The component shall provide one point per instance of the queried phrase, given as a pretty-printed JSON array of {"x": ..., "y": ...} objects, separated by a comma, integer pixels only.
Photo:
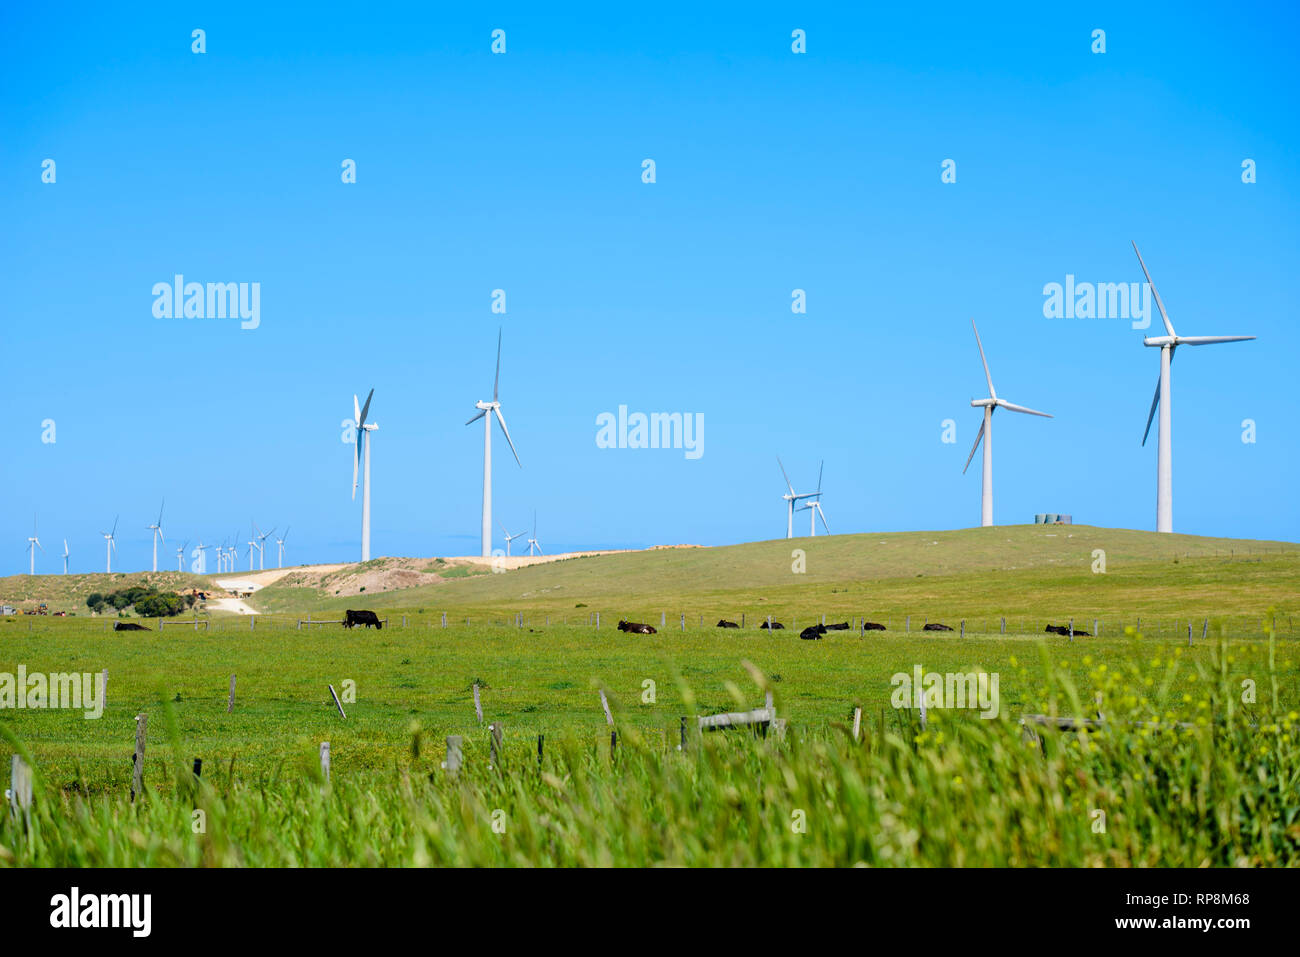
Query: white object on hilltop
[
  {"x": 493, "y": 407},
  {"x": 363, "y": 429}
]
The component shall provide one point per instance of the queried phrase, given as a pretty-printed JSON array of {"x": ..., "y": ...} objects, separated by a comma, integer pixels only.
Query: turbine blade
[
  {"x": 114, "y": 531},
  {"x": 477, "y": 417},
  {"x": 356, "y": 409},
  {"x": 819, "y": 477},
  {"x": 987, "y": 376},
  {"x": 822, "y": 516},
  {"x": 501, "y": 419},
  {"x": 1152, "y": 414},
  {"x": 1164, "y": 316},
  {"x": 365, "y": 408},
  {"x": 979, "y": 436},
  {"x": 786, "y": 477},
  {"x": 1210, "y": 340},
  {"x": 497, "y": 381},
  {"x": 1020, "y": 408}
]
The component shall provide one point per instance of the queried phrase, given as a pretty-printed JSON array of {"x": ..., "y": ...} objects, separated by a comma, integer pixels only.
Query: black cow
[
  {"x": 1065, "y": 630},
  {"x": 635, "y": 627},
  {"x": 812, "y": 632},
  {"x": 353, "y": 618},
  {"x": 723, "y": 623},
  {"x": 935, "y": 626},
  {"x": 774, "y": 626},
  {"x": 842, "y": 626},
  {"x": 872, "y": 626},
  {"x": 128, "y": 626}
]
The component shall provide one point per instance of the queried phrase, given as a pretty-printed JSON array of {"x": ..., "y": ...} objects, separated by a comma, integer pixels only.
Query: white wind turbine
[
  {"x": 533, "y": 543},
  {"x": 484, "y": 408},
  {"x": 156, "y": 527},
  {"x": 1165, "y": 454},
  {"x": 252, "y": 544},
  {"x": 814, "y": 508},
  {"x": 180, "y": 557},
  {"x": 65, "y": 556},
  {"x": 203, "y": 555},
  {"x": 363, "y": 427},
  {"x": 790, "y": 498},
  {"x": 261, "y": 547},
  {"x": 279, "y": 544},
  {"x": 510, "y": 538},
  {"x": 986, "y": 434},
  {"x": 34, "y": 543},
  {"x": 109, "y": 546}
]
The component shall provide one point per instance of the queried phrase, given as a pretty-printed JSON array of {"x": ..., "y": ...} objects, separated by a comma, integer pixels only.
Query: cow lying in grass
[
  {"x": 1065, "y": 630},
  {"x": 128, "y": 626},
  {"x": 935, "y": 626},
  {"x": 872, "y": 626},
  {"x": 774, "y": 626},
  {"x": 635, "y": 627},
  {"x": 723, "y": 623},
  {"x": 813, "y": 632},
  {"x": 353, "y": 618}
]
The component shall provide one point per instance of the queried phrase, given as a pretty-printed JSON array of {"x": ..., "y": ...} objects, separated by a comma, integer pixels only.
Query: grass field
[{"x": 962, "y": 790}]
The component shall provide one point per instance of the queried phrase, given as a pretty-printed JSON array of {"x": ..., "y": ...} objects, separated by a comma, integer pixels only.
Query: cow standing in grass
[{"x": 353, "y": 618}]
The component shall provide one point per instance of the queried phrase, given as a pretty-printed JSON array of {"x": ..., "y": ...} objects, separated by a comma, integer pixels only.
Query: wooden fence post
[
  {"x": 1004, "y": 624},
  {"x": 604, "y": 703},
  {"x": 907, "y": 624},
  {"x": 20, "y": 789},
  {"x": 325, "y": 760},
  {"x": 683, "y": 622},
  {"x": 478, "y": 707},
  {"x": 663, "y": 617},
  {"x": 857, "y": 722},
  {"x": 444, "y": 619},
  {"x": 1072, "y": 629},
  {"x": 452, "y": 764},
  {"x": 230, "y": 702},
  {"x": 494, "y": 742},
  {"x": 137, "y": 770},
  {"x": 963, "y": 628},
  {"x": 682, "y": 746},
  {"x": 103, "y": 688}
]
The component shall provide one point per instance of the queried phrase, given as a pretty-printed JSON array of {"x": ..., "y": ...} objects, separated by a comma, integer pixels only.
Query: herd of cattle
[{"x": 813, "y": 632}]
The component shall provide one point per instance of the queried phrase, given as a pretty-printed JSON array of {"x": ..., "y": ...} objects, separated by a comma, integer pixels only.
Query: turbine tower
[
  {"x": 510, "y": 538},
  {"x": 279, "y": 543},
  {"x": 65, "y": 556},
  {"x": 986, "y": 434},
  {"x": 815, "y": 508},
  {"x": 363, "y": 427},
  {"x": 109, "y": 546},
  {"x": 1165, "y": 440},
  {"x": 156, "y": 527},
  {"x": 533, "y": 543},
  {"x": 34, "y": 543},
  {"x": 484, "y": 408},
  {"x": 790, "y": 498},
  {"x": 180, "y": 557}
]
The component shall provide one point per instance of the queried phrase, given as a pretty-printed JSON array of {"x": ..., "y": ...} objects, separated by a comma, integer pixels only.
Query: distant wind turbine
[
  {"x": 65, "y": 556},
  {"x": 180, "y": 557},
  {"x": 533, "y": 543},
  {"x": 109, "y": 546},
  {"x": 363, "y": 427},
  {"x": 261, "y": 547},
  {"x": 510, "y": 538},
  {"x": 279, "y": 543},
  {"x": 34, "y": 543},
  {"x": 1165, "y": 454},
  {"x": 791, "y": 498},
  {"x": 986, "y": 434},
  {"x": 493, "y": 407},
  {"x": 156, "y": 527}
]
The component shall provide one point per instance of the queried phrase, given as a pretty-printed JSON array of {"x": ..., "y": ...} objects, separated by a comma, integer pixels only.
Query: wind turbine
[
  {"x": 790, "y": 497},
  {"x": 156, "y": 527},
  {"x": 533, "y": 542},
  {"x": 65, "y": 556},
  {"x": 1165, "y": 456},
  {"x": 510, "y": 538},
  {"x": 363, "y": 427},
  {"x": 261, "y": 548},
  {"x": 815, "y": 508},
  {"x": 279, "y": 543},
  {"x": 484, "y": 408},
  {"x": 251, "y": 545},
  {"x": 34, "y": 543},
  {"x": 986, "y": 434},
  {"x": 109, "y": 546},
  {"x": 180, "y": 557},
  {"x": 203, "y": 555}
]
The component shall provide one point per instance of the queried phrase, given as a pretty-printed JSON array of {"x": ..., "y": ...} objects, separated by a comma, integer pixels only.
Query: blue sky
[{"x": 522, "y": 172}]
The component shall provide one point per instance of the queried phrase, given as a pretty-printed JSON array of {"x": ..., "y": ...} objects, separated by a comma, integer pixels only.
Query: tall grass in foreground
[{"x": 1141, "y": 790}]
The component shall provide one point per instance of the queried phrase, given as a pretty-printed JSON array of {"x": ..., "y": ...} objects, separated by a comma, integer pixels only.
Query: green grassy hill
[
  {"x": 979, "y": 573},
  {"x": 69, "y": 592}
]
